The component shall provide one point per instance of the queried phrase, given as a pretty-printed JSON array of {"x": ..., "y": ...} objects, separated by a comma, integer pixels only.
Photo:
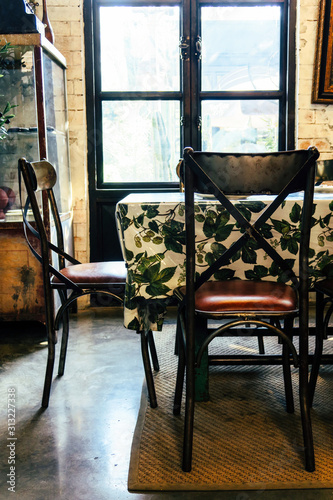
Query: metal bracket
[
  {"x": 198, "y": 47},
  {"x": 184, "y": 47}
]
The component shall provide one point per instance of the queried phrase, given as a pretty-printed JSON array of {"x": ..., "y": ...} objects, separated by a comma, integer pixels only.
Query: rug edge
[
  {"x": 137, "y": 487},
  {"x": 135, "y": 447}
]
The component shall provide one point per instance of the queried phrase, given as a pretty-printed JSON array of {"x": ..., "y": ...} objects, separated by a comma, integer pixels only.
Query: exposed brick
[
  {"x": 304, "y": 101},
  {"x": 76, "y": 118},
  {"x": 80, "y": 216},
  {"x": 308, "y": 12},
  {"x": 78, "y": 87},
  {"x": 307, "y": 51},
  {"x": 77, "y": 59},
  {"x": 61, "y": 28},
  {"x": 68, "y": 13},
  {"x": 82, "y": 255},
  {"x": 322, "y": 145},
  {"x": 307, "y": 72},
  {"x": 75, "y": 72},
  {"x": 70, "y": 87},
  {"x": 69, "y": 43},
  {"x": 307, "y": 116},
  {"x": 80, "y": 231},
  {"x": 76, "y": 102},
  {"x": 80, "y": 243},
  {"x": 304, "y": 144},
  {"x": 322, "y": 116},
  {"x": 80, "y": 204},
  {"x": 76, "y": 28},
  {"x": 313, "y": 130},
  {"x": 64, "y": 3}
]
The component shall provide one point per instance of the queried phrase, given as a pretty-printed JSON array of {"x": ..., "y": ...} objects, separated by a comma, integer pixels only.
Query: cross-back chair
[
  {"x": 267, "y": 305},
  {"x": 324, "y": 311},
  {"x": 69, "y": 277}
]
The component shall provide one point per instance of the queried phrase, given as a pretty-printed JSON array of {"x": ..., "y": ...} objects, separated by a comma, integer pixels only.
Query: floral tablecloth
[{"x": 152, "y": 234}]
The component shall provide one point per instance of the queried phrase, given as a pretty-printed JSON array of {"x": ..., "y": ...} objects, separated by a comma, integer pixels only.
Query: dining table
[{"x": 151, "y": 228}]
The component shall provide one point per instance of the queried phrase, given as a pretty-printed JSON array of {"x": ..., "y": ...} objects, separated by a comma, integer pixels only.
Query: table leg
[{"x": 147, "y": 368}]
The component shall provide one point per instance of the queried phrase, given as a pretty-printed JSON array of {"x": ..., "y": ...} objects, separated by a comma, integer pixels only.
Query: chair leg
[
  {"x": 64, "y": 343},
  {"x": 286, "y": 369},
  {"x": 147, "y": 368},
  {"x": 261, "y": 345},
  {"x": 191, "y": 326},
  {"x": 288, "y": 388},
  {"x": 189, "y": 417},
  {"x": 306, "y": 421},
  {"x": 49, "y": 369},
  {"x": 304, "y": 397},
  {"x": 153, "y": 352},
  {"x": 178, "y": 332},
  {"x": 180, "y": 373},
  {"x": 319, "y": 345}
]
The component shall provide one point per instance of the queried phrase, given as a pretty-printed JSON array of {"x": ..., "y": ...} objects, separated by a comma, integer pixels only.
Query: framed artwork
[{"x": 322, "y": 91}]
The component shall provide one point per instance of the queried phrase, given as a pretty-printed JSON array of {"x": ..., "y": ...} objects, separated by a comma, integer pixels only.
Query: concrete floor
[{"x": 79, "y": 447}]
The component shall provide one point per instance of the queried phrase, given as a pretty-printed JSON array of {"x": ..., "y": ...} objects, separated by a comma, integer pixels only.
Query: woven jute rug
[{"x": 243, "y": 439}]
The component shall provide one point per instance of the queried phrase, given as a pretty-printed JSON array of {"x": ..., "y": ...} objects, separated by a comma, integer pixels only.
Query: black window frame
[{"x": 189, "y": 131}]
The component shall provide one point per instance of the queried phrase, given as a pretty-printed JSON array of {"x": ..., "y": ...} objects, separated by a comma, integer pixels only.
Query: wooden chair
[
  {"x": 68, "y": 276},
  {"x": 324, "y": 310},
  {"x": 270, "y": 306}
]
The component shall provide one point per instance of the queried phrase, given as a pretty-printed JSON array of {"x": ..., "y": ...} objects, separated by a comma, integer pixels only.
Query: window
[
  {"x": 140, "y": 93},
  {"x": 241, "y": 54},
  {"x": 212, "y": 75}
]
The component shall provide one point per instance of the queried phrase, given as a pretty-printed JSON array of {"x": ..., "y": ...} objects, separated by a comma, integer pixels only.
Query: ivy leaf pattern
[
  {"x": 295, "y": 214},
  {"x": 155, "y": 249},
  {"x": 257, "y": 273}
]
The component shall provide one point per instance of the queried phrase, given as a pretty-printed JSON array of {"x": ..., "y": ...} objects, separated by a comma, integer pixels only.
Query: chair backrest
[
  {"x": 46, "y": 177},
  {"x": 41, "y": 176},
  {"x": 224, "y": 175}
]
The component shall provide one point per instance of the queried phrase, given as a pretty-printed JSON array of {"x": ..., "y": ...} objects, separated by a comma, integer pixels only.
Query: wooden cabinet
[{"x": 35, "y": 82}]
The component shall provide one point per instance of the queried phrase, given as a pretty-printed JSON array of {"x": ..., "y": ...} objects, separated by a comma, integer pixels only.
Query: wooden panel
[{"x": 21, "y": 284}]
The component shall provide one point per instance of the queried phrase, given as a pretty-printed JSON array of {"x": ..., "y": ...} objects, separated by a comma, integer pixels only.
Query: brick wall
[{"x": 314, "y": 121}]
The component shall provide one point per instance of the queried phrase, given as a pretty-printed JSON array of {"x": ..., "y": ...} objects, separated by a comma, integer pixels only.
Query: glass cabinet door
[
  {"x": 17, "y": 87},
  {"x": 34, "y": 82}
]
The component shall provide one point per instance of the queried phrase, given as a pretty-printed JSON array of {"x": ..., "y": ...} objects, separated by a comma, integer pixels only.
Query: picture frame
[{"x": 322, "y": 91}]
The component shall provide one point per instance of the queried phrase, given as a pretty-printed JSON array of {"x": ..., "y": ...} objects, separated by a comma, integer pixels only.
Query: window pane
[
  {"x": 139, "y": 48},
  {"x": 240, "y": 48},
  {"x": 141, "y": 141},
  {"x": 240, "y": 126}
]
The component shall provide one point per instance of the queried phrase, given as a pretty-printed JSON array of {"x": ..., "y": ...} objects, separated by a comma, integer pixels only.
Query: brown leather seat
[
  {"x": 238, "y": 296},
  {"x": 95, "y": 272}
]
